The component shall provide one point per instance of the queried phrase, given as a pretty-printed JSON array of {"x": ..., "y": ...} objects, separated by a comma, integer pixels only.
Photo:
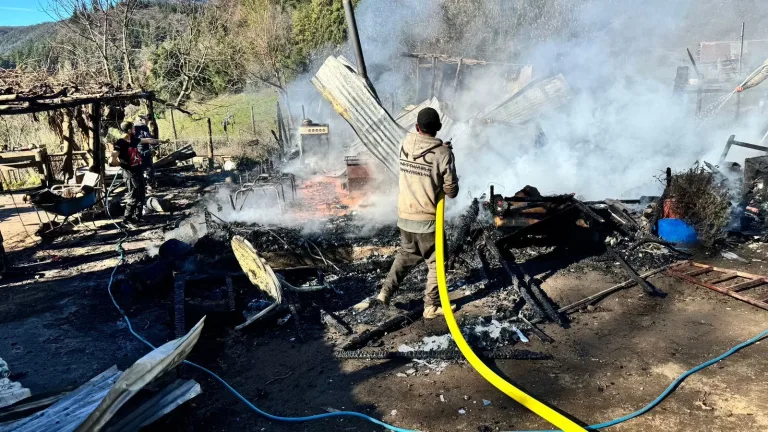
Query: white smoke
[{"x": 622, "y": 126}]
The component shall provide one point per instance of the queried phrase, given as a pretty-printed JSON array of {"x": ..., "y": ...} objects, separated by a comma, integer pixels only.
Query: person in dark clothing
[
  {"x": 126, "y": 155},
  {"x": 141, "y": 131}
]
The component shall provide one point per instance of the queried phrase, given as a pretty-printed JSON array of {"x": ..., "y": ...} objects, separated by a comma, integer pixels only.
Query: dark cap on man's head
[
  {"x": 429, "y": 121},
  {"x": 126, "y": 126}
]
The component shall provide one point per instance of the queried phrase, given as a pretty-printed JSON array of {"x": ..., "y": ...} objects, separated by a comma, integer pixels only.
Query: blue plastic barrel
[{"x": 677, "y": 231}]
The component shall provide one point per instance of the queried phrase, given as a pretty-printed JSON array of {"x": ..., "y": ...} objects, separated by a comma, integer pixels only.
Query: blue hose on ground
[
  {"x": 623, "y": 419},
  {"x": 673, "y": 386},
  {"x": 218, "y": 378}
]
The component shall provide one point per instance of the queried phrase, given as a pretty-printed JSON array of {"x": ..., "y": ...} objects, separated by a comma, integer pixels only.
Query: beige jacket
[
  {"x": 758, "y": 78},
  {"x": 426, "y": 168}
]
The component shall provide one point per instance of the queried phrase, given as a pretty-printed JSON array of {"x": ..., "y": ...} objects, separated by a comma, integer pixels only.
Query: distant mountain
[{"x": 15, "y": 38}]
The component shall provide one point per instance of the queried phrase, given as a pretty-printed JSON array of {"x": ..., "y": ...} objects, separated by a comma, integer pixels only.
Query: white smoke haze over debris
[{"x": 622, "y": 126}]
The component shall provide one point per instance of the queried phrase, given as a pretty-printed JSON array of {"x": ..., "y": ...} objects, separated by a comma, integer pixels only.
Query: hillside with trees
[{"x": 183, "y": 49}]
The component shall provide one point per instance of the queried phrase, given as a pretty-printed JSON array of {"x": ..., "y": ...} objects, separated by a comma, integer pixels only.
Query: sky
[{"x": 22, "y": 12}]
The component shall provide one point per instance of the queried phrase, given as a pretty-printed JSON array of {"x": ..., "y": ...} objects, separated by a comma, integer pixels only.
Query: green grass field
[{"x": 237, "y": 106}]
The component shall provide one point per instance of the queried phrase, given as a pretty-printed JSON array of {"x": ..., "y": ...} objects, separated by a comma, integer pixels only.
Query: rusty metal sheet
[
  {"x": 352, "y": 97},
  {"x": 533, "y": 100}
]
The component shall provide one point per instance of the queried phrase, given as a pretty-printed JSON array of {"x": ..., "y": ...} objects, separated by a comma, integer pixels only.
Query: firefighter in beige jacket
[{"x": 427, "y": 169}]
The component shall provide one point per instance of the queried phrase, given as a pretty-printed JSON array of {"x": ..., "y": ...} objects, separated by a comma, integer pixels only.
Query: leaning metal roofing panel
[
  {"x": 531, "y": 101},
  {"x": 352, "y": 98}
]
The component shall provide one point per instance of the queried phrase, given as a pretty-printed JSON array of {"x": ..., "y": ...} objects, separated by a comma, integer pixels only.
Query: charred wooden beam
[
  {"x": 633, "y": 273},
  {"x": 465, "y": 225},
  {"x": 395, "y": 323},
  {"x": 334, "y": 321},
  {"x": 447, "y": 354},
  {"x": 70, "y": 101},
  {"x": 526, "y": 286},
  {"x": 456, "y": 60}
]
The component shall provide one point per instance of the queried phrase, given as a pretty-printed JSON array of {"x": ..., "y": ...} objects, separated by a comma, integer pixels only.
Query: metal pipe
[
  {"x": 693, "y": 62},
  {"x": 354, "y": 37},
  {"x": 741, "y": 51}
]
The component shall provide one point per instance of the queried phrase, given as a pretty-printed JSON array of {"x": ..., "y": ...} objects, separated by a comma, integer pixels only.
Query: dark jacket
[{"x": 128, "y": 154}]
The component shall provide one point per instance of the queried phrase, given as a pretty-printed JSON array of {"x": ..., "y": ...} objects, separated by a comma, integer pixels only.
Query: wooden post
[
  {"x": 95, "y": 143},
  {"x": 175, "y": 135},
  {"x": 434, "y": 77},
  {"x": 68, "y": 136},
  {"x": 741, "y": 51},
  {"x": 152, "y": 121},
  {"x": 456, "y": 80},
  {"x": 418, "y": 78},
  {"x": 173, "y": 125},
  {"x": 253, "y": 121},
  {"x": 699, "y": 96},
  {"x": 210, "y": 146},
  {"x": 44, "y": 167}
]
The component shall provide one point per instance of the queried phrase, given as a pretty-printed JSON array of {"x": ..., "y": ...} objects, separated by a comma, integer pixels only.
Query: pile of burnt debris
[{"x": 500, "y": 248}]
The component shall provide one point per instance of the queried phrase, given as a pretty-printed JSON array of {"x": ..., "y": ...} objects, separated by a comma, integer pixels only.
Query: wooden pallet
[{"x": 725, "y": 281}]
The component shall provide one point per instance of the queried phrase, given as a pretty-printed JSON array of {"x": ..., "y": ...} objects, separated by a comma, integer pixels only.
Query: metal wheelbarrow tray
[{"x": 68, "y": 207}]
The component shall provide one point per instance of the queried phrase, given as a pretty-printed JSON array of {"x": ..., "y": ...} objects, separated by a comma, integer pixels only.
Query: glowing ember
[{"x": 324, "y": 196}]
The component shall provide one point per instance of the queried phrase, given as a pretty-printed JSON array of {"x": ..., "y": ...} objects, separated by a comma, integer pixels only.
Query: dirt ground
[{"x": 58, "y": 328}]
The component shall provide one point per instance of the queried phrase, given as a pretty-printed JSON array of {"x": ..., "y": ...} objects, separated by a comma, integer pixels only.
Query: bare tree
[
  {"x": 96, "y": 32},
  {"x": 267, "y": 43},
  {"x": 199, "y": 53},
  {"x": 86, "y": 27},
  {"x": 128, "y": 7}
]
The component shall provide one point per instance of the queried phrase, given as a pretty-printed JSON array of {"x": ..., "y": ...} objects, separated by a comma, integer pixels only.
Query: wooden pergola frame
[
  {"x": 430, "y": 61},
  {"x": 20, "y": 103}
]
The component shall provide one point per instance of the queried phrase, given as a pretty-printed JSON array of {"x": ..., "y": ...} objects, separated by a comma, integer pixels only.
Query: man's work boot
[
  {"x": 432, "y": 312},
  {"x": 382, "y": 297}
]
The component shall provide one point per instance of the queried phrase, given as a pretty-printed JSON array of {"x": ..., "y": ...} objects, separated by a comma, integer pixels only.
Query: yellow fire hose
[{"x": 515, "y": 393}]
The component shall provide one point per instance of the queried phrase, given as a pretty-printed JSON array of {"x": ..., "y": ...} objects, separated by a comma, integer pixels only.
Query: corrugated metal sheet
[
  {"x": 533, "y": 100},
  {"x": 67, "y": 414},
  {"x": 353, "y": 99},
  {"x": 90, "y": 406},
  {"x": 407, "y": 119}
]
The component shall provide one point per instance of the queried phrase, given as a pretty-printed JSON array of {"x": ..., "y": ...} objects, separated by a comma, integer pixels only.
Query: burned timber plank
[
  {"x": 632, "y": 273},
  {"x": 526, "y": 285},
  {"x": 390, "y": 325},
  {"x": 447, "y": 354},
  {"x": 595, "y": 297}
]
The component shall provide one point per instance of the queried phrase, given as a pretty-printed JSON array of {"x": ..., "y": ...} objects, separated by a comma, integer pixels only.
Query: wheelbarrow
[
  {"x": 60, "y": 206},
  {"x": 66, "y": 208}
]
